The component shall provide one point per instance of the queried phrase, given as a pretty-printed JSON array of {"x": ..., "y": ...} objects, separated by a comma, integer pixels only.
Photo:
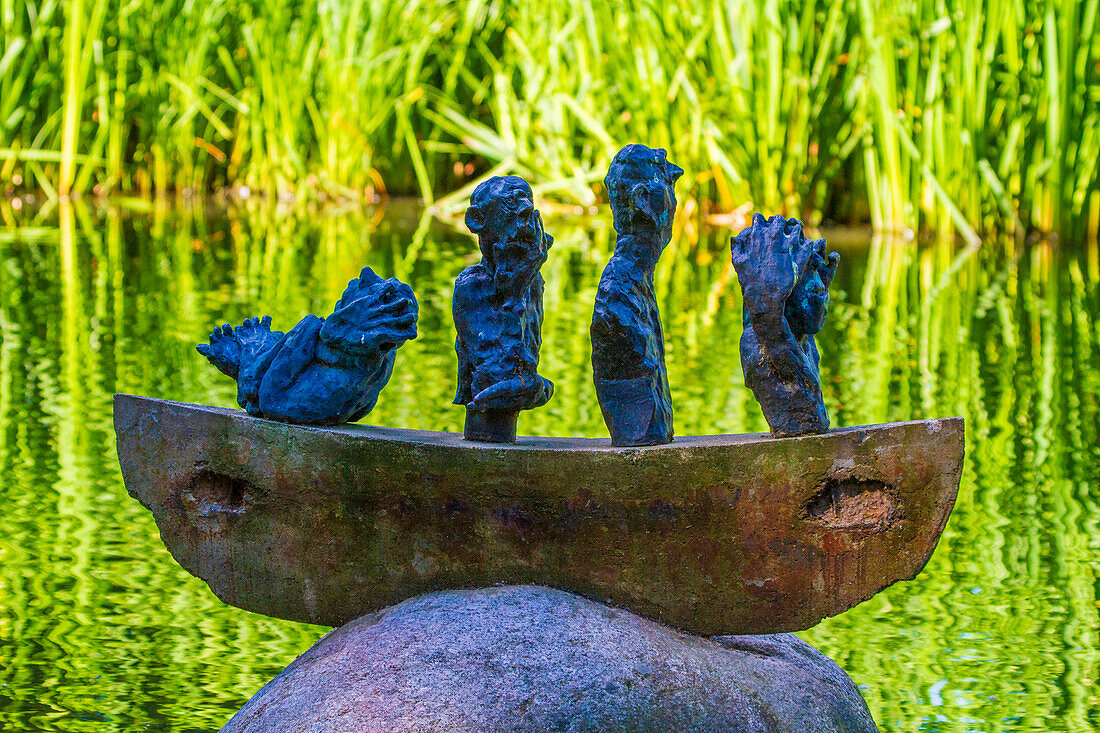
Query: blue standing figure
[
  {"x": 628, "y": 347},
  {"x": 785, "y": 278},
  {"x": 325, "y": 371},
  {"x": 497, "y": 311}
]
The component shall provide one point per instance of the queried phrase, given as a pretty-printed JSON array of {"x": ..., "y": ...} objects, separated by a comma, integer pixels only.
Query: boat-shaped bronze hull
[{"x": 723, "y": 534}]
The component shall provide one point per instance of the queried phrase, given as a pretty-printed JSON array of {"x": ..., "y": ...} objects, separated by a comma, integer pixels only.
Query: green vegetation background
[
  {"x": 950, "y": 115},
  {"x": 971, "y": 118}
]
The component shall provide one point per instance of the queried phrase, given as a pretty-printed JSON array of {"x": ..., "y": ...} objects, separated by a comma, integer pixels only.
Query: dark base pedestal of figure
[
  {"x": 533, "y": 659},
  {"x": 491, "y": 426}
]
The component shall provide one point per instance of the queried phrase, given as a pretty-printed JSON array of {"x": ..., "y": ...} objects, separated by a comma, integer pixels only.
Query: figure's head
[
  {"x": 508, "y": 227},
  {"x": 808, "y": 304},
  {"x": 641, "y": 188}
]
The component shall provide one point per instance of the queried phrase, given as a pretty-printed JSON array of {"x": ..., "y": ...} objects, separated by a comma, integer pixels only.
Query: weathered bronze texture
[
  {"x": 325, "y": 371},
  {"x": 726, "y": 534},
  {"x": 497, "y": 310},
  {"x": 784, "y": 277},
  {"x": 628, "y": 342}
]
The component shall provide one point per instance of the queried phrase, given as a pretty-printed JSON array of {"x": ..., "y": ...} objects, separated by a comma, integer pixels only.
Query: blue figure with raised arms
[
  {"x": 785, "y": 278},
  {"x": 325, "y": 371}
]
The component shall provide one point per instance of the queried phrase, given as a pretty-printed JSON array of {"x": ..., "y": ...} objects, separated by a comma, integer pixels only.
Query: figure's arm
[
  {"x": 464, "y": 393},
  {"x": 769, "y": 258},
  {"x": 532, "y": 332},
  {"x": 381, "y": 318},
  {"x": 785, "y": 356},
  {"x": 518, "y": 265},
  {"x": 791, "y": 407},
  {"x": 469, "y": 291},
  {"x": 524, "y": 392}
]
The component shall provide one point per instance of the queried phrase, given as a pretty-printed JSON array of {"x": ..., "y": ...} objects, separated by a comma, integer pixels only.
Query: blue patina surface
[
  {"x": 497, "y": 311},
  {"x": 628, "y": 347},
  {"x": 784, "y": 277},
  {"x": 324, "y": 371}
]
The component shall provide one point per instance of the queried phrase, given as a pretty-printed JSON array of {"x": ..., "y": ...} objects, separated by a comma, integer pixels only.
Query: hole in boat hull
[
  {"x": 852, "y": 504},
  {"x": 212, "y": 498}
]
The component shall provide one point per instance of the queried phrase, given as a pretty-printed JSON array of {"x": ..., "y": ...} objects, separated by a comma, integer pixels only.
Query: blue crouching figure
[{"x": 325, "y": 371}]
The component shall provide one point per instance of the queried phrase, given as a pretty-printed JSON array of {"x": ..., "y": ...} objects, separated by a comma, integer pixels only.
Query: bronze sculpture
[
  {"x": 497, "y": 311},
  {"x": 784, "y": 279},
  {"x": 628, "y": 347}
]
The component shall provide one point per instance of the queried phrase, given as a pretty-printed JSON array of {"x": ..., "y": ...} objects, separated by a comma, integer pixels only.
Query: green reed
[{"x": 949, "y": 115}]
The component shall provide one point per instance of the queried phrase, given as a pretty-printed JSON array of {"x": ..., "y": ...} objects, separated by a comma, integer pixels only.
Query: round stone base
[{"x": 526, "y": 658}]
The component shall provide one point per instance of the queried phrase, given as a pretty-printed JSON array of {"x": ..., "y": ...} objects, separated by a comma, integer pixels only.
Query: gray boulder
[{"x": 526, "y": 658}]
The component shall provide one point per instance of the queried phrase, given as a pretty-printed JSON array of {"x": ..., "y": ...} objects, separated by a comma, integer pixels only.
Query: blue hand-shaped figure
[
  {"x": 784, "y": 279},
  {"x": 497, "y": 311},
  {"x": 325, "y": 371},
  {"x": 628, "y": 343}
]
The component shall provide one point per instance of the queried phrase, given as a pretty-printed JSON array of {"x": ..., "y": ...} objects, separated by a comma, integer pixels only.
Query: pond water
[{"x": 100, "y": 630}]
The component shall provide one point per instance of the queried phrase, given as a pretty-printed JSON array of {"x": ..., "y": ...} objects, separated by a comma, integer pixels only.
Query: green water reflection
[{"x": 100, "y": 630}]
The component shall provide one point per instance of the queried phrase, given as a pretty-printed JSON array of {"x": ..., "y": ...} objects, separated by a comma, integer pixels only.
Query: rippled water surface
[{"x": 100, "y": 630}]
